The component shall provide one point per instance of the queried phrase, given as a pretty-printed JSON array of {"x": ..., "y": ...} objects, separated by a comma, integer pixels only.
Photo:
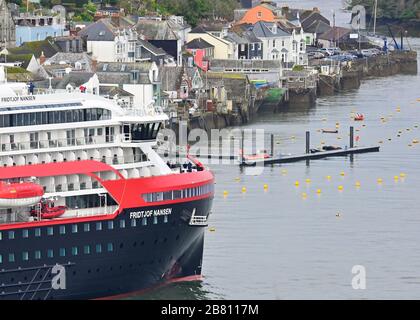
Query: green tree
[{"x": 88, "y": 13}]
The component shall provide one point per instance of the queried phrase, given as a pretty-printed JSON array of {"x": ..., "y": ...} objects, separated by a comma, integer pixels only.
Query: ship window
[
  {"x": 25, "y": 256},
  {"x": 74, "y": 228},
  {"x": 87, "y": 227},
  {"x": 98, "y": 226},
  {"x": 50, "y": 231},
  {"x": 1, "y": 258},
  {"x": 37, "y": 254},
  {"x": 144, "y": 221},
  {"x": 167, "y": 195},
  {"x": 62, "y": 252},
  {"x": 1, "y": 236},
  {"x": 11, "y": 235},
  {"x": 50, "y": 253},
  {"x": 62, "y": 229},
  {"x": 110, "y": 225},
  {"x": 165, "y": 219},
  {"x": 110, "y": 247},
  {"x": 122, "y": 223},
  {"x": 155, "y": 220},
  {"x": 37, "y": 232},
  {"x": 99, "y": 248},
  {"x": 11, "y": 257},
  {"x": 74, "y": 251},
  {"x": 86, "y": 249},
  {"x": 133, "y": 222}
]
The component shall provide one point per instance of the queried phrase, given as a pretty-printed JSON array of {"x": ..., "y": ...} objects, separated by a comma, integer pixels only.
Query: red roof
[{"x": 55, "y": 169}]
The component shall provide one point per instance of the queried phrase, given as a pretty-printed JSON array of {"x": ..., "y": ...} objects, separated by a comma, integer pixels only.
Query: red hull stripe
[
  {"x": 139, "y": 292},
  {"x": 98, "y": 218},
  {"x": 56, "y": 169}
]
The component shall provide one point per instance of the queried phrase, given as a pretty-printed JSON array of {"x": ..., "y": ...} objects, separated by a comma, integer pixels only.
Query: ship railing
[
  {"x": 58, "y": 143},
  {"x": 75, "y": 212},
  {"x": 151, "y": 111}
]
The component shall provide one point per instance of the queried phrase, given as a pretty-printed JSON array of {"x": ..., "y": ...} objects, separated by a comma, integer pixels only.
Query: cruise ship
[{"x": 88, "y": 208}]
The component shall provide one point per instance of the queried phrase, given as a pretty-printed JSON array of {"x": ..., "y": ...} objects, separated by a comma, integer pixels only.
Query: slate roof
[
  {"x": 112, "y": 91},
  {"x": 231, "y": 64},
  {"x": 334, "y": 33},
  {"x": 153, "y": 49},
  {"x": 156, "y": 30},
  {"x": 198, "y": 43},
  {"x": 123, "y": 67},
  {"x": 37, "y": 48},
  {"x": 318, "y": 27},
  {"x": 76, "y": 79},
  {"x": 261, "y": 30},
  {"x": 102, "y": 30}
]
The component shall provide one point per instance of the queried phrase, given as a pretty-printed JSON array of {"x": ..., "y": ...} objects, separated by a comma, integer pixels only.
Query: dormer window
[{"x": 259, "y": 14}]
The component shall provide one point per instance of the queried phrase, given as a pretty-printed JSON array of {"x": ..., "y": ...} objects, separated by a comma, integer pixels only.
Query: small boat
[
  {"x": 16, "y": 195},
  {"x": 49, "y": 210},
  {"x": 260, "y": 155},
  {"x": 329, "y": 131},
  {"x": 359, "y": 117},
  {"x": 331, "y": 148}
]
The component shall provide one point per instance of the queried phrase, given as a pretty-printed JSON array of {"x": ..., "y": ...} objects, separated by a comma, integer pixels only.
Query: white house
[{"x": 108, "y": 43}]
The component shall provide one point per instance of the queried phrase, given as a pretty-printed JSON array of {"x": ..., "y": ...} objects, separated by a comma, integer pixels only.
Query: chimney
[
  {"x": 42, "y": 58},
  {"x": 316, "y": 9},
  {"x": 284, "y": 10}
]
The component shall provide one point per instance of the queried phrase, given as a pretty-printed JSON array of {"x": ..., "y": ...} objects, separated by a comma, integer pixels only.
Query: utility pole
[{"x": 334, "y": 28}]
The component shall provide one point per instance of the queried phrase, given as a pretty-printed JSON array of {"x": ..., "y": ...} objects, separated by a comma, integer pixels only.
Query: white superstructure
[{"x": 52, "y": 126}]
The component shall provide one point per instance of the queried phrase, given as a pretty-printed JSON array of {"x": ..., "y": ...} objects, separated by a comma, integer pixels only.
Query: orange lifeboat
[{"x": 24, "y": 194}]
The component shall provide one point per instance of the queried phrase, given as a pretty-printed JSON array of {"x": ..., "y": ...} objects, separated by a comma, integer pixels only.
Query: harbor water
[{"x": 284, "y": 241}]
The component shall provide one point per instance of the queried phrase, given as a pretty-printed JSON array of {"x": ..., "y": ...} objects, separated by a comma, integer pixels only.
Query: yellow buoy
[
  {"x": 265, "y": 186},
  {"x": 403, "y": 175},
  {"x": 415, "y": 141},
  {"x": 304, "y": 195},
  {"x": 243, "y": 189},
  {"x": 358, "y": 184},
  {"x": 212, "y": 229},
  {"x": 318, "y": 191},
  {"x": 225, "y": 193},
  {"x": 341, "y": 188},
  {"x": 328, "y": 177},
  {"x": 284, "y": 171},
  {"x": 396, "y": 178},
  {"x": 308, "y": 181},
  {"x": 342, "y": 173},
  {"x": 380, "y": 181},
  {"x": 237, "y": 179},
  {"x": 297, "y": 183}
]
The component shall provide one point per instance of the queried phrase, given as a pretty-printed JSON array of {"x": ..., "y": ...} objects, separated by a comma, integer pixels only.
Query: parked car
[
  {"x": 370, "y": 52},
  {"x": 316, "y": 55}
]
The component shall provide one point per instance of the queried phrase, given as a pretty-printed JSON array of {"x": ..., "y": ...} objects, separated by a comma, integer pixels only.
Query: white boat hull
[{"x": 18, "y": 203}]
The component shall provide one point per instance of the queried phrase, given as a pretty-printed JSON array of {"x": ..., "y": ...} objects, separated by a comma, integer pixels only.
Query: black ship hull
[{"x": 104, "y": 258}]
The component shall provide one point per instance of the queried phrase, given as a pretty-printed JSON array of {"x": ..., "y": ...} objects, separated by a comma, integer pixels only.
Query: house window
[
  {"x": 253, "y": 46},
  {"x": 25, "y": 256},
  {"x": 259, "y": 14},
  {"x": 274, "y": 43},
  {"x": 242, "y": 47}
]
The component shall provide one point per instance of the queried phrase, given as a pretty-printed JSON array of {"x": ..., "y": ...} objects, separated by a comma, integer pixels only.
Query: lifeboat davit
[
  {"x": 24, "y": 194},
  {"x": 359, "y": 117}
]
